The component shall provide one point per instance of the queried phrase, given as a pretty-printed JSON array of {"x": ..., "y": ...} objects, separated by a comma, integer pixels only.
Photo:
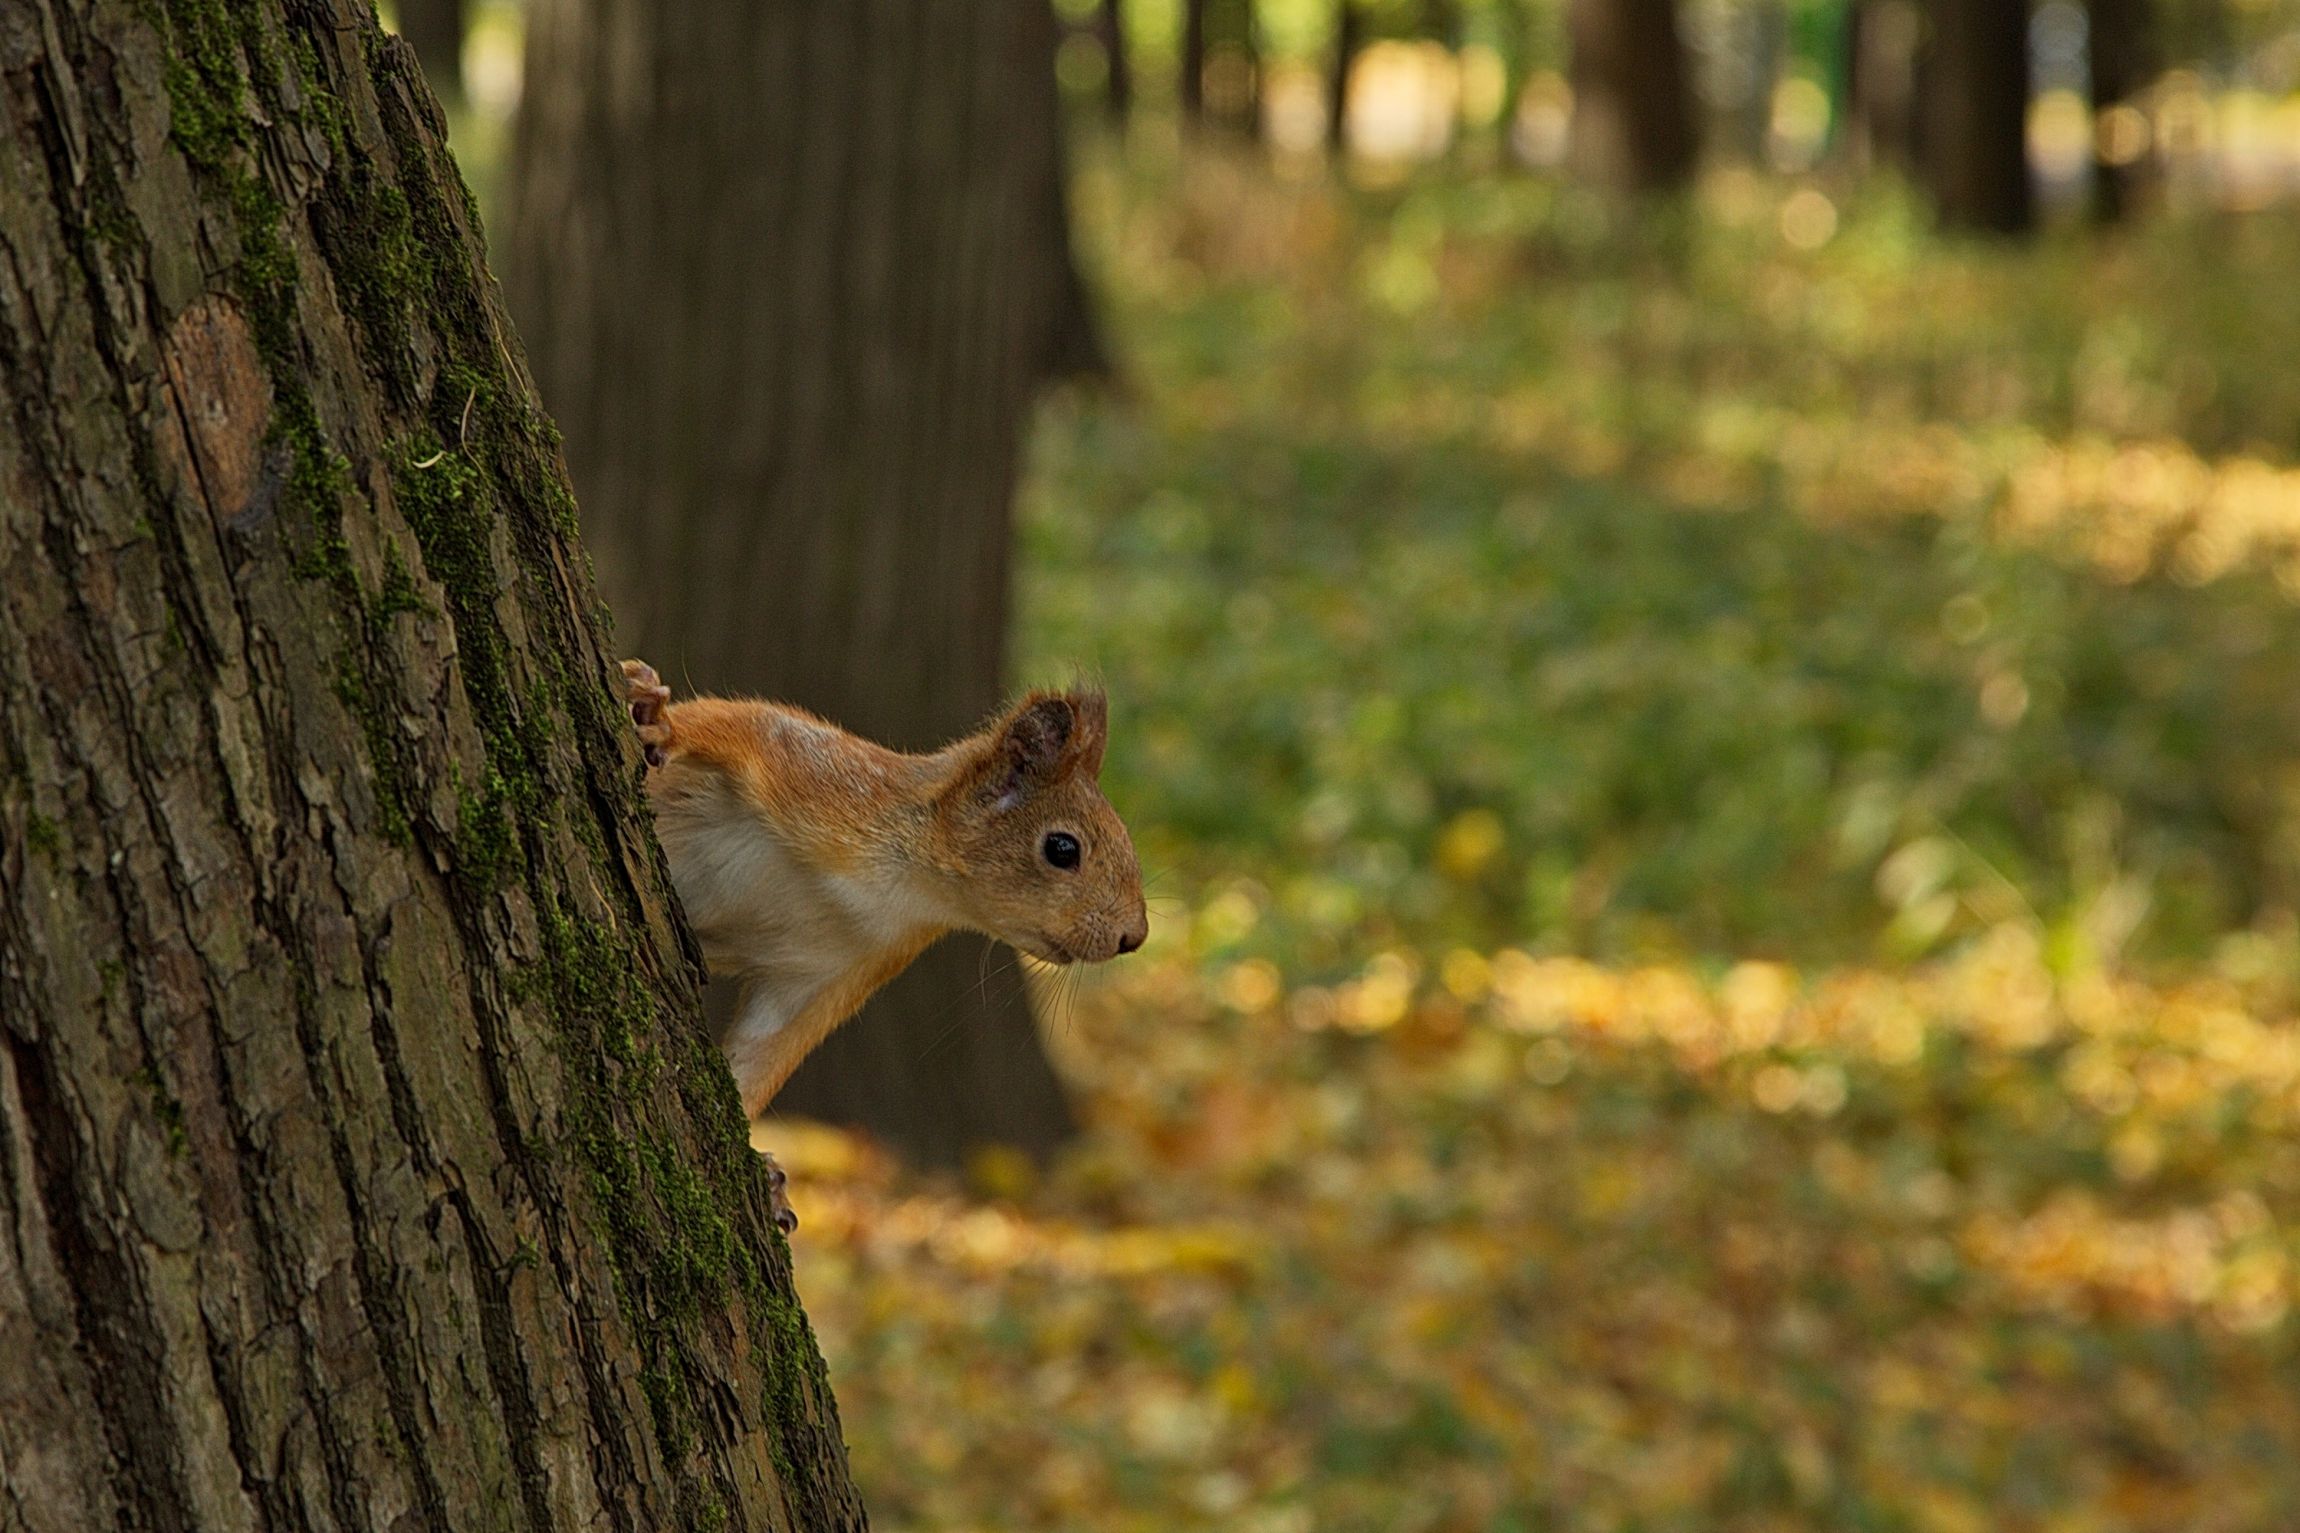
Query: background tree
[
  {"x": 362, "y": 1161},
  {"x": 1341, "y": 64},
  {"x": 2120, "y": 58},
  {"x": 791, "y": 277},
  {"x": 1974, "y": 96},
  {"x": 1633, "y": 123},
  {"x": 436, "y": 28},
  {"x": 1882, "y": 39},
  {"x": 1118, "y": 78},
  {"x": 1218, "y": 66},
  {"x": 1190, "y": 62}
]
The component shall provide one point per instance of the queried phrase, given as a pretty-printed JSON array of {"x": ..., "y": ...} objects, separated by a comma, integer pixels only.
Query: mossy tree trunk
[
  {"x": 362, "y": 1161},
  {"x": 791, "y": 276}
]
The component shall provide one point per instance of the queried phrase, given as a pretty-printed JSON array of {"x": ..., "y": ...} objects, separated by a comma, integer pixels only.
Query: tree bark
[
  {"x": 435, "y": 28},
  {"x": 1633, "y": 125},
  {"x": 363, "y": 1162},
  {"x": 1975, "y": 141},
  {"x": 2120, "y": 58},
  {"x": 790, "y": 280}
]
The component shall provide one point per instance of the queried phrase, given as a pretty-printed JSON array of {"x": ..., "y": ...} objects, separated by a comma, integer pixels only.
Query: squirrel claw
[
  {"x": 777, "y": 1201},
  {"x": 647, "y": 698}
]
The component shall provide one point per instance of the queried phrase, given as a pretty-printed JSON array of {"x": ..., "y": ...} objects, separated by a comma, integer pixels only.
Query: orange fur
[{"x": 815, "y": 865}]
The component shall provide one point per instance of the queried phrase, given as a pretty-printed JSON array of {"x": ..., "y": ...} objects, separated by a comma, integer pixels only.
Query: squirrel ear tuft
[
  {"x": 1091, "y": 710},
  {"x": 1033, "y": 747}
]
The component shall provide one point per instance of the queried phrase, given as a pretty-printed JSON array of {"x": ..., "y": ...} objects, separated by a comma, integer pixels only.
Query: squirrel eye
[{"x": 1061, "y": 849}]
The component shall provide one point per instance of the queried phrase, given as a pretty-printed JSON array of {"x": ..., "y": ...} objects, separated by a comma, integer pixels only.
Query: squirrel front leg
[{"x": 650, "y": 704}]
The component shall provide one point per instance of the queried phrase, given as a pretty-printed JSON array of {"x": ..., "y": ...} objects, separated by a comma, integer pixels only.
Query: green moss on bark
[{"x": 475, "y": 474}]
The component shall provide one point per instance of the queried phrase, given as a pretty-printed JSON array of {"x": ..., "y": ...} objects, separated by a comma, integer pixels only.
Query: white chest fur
[{"x": 784, "y": 929}]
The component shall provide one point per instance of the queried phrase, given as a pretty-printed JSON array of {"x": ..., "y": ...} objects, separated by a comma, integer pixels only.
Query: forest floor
[{"x": 1725, "y": 799}]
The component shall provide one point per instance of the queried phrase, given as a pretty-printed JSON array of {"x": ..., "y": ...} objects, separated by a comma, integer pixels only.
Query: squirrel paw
[
  {"x": 777, "y": 1201},
  {"x": 648, "y": 699}
]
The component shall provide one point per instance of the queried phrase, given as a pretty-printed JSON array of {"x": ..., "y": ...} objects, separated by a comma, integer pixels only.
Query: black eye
[{"x": 1061, "y": 849}]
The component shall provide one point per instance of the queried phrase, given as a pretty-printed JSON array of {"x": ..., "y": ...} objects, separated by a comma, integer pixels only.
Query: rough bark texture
[
  {"x": 1633, "y": 124},
  {"x": 795, "y": 403},
  {"x": 1975, "y": 98},
  {"x": 362, "y": 1159},
  {"x": 435, "y": 28}
]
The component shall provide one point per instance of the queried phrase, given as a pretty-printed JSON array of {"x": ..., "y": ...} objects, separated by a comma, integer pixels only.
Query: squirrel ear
[
  {"x": 1032, "y": 749},
  {"x": 1091, "y": 731}
]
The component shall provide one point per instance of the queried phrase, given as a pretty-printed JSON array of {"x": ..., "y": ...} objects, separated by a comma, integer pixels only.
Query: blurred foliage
[
  {"x": 1722, "y": 803},
  {"x": 1499, "y": 1242},
  {"x": 1469, "y": 568}
]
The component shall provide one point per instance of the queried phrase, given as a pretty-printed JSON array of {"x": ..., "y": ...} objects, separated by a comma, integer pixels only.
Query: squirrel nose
[{"x": 1129, "y": 941}]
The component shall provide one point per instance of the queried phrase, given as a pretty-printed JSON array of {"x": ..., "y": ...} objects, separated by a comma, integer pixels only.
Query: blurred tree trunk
[
  {"x": 2121, "y": 59},
  {"x": 1071, "y": 348},
  {"x": 363, "y": 1162},
  {"x": 1443, "y": 24},
  {"x": 1190, "y": 63},
  {"x": 1349, "y": 41},
  {"x": 1883, "y": 42},
  {"x": 1633, "y": 124},
  {"x": 1766, "y": 34},
  {"x": 791, "y": 276},
  {"x": 1110, "y": 27},
  {"x": 1975, "y": 100},
  {"x": 1514, "y": 21},
  {"x": 435, "y": 27},
  {"x": 1220, "y": 78},
  {"x": 1234, "y": 67}
]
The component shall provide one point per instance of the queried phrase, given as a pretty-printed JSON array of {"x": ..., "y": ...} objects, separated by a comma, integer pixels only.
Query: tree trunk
[
  {"x": 1118, "y": 93},
  {"x": 1234, "y": 60},
  {"x": 1349, "y": 41},
  {"x": 1633, "y": 125},
  {"x": 1071, "y": 345},
  {"x": 1190, "y": 63},
  {"x": 1513, "y": 21},
  {"x": 1765, "y": 25},
  {"x": 1975, "y": 142},
  {"x": 435, "y": 27},
  {"x": 790, "y": 280},
  {"x": 363, "y": 1162},
  {"x": 1883, "y": 42},
  {"x": 2121, "y": 58},
  {"x": 1444, "y": 24}
]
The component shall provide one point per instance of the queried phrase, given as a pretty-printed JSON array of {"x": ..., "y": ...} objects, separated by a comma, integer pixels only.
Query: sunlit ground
[{"x": 1724, "y": 806}]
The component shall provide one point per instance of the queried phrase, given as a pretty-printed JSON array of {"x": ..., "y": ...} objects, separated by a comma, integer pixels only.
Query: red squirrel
[{"x": 815, "y": 865}]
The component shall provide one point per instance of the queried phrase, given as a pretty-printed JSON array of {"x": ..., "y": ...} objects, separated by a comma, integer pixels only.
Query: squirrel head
[{"x": 1040, "y": 859}]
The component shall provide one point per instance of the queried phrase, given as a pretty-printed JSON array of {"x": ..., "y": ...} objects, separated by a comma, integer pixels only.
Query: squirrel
[{"x": 815, "y": 865}]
